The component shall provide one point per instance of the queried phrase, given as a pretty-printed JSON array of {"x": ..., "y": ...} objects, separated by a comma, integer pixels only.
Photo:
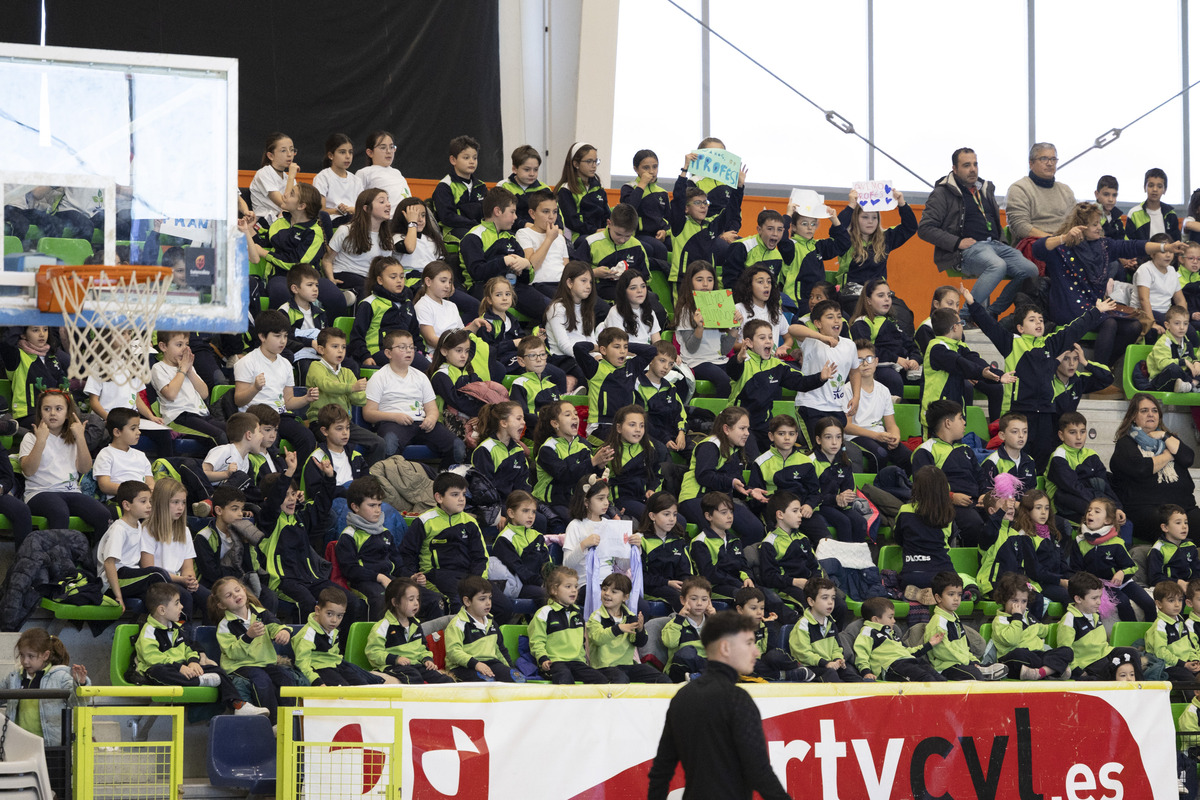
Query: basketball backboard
[{"x": 145, "y": 144}]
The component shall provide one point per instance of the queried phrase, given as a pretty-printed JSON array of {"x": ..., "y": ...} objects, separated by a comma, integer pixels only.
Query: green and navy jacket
[
  {"x": 600, "y": 250},
  {"x": 806, "y": 266},
  {"x": 953, "y": 650},
  {"x": 458, "y": 203},
  {"x": 285, "y": 552},
  {"x": 955, "y": 459},
  {"x": 556, "y": 633},
  {"x": 718, "y": 559},
  {"x": 877, "y": 647},
  {"x": 834, "y": 477},
  {"x": 1168, "y": 561},
  {"x": 610, "y": 388},
  {"x": 505, "y": 466},
  {"x": 287, "y": 244},
  {"x": 523, "y": 552},
  {"x": 238, "y": 649},
  {"x": 447, "y": 383},
  {"x": 680, "y": 633},
  {"x": 608, "y": 645},
  {"x": 785, "y": 556},
  {"x": 653, "y": 205},
  {"x": 891, "y": 341},
  {"x": 948, "y": 364},
  {"x": 1189, "y": 720},
  {"x": 796, "y": 474},
  {"x": 468, "y": 642},
  {"x": 311, "y": 477},
  {"x": 532, "y": 392},
  {"x": 31, "y": 375},
  {"x": 748, "y": 252},
  {"x": 759, "y": 382},
  {"x": 813, "y": 643},
  {"x": 1085, "y": 635},
  {"x": 1102, "y": 558},
  {"x": 584, "y": 212},
  {"x": 483, "y": 251},
  {"x": 1012, "y": 550},
  {"x": 710, "y": 470},
  {"x": 926, "y": 548},
  {"x": 1016, "y": 631},
  {"x": 869, "y": 269},
  {"x": 518, "y": 191},
  {"x": 1074, "y": 478},
  {"x": 692, "y": 240},
  {"x": 1189, "y": 284},
  {"x": 1170, "y": 639},
  {"x": 320, "y": 321},
  {"x": 1033, "y": 359},
  {"x": 1167, "y": 351},
  {"x": 437, "y": 540},
  {"x": 315, "y": 649},
  {"x": 161, "y": 644},
  {"x": 724, "y": 203},
  {"x": 375, "y": 315},
  {"x": 501, "y": 334},
  {"x": 1137, "y": 222},
  {"x": 665, "y": 414},
  {"x": 637, "y": 474},
  {"x": 999, "y": 463},
  {"x": 207, "y": 544},
  {"x": 363, "y": 556},
  {"x": 664, "y": 560},
  {"x": 1090, "y": 377},
  {"x": 389, "y": 641},
  {"x": 560, "y": 465}
]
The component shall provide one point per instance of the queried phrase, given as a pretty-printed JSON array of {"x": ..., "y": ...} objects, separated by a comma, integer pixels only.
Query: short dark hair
[
  {"x": 1107, "y": 182},
  {"x": 1155, "y": 172},
  {"x": 624, "y": 216},
  {"x": 497, "y": 199},
  {"x": 1009, "y": 585},
  {"x": 1167, "y": 590},
  {"x": 1024, "y": 310},
  {"x": 473, "y": 585},
  {"x": 239, "y": 424},
  {"x": 619, "y": 582},
  {"x": 159, "y": 594},
  {"x": 128, "y": 491},
  {"x": 524, "y": 153},
  {"x": 528, "y": 343},
  {"x": 1176, "y": 311},
  {"x": 1168, "y": 510},
  {"x": 1193, "y": 588},
  {"x": 331, "y": 414},
  {"x": 664, "y": 348},
  {"x": 954, "y": 156},
  {"x": 299, "y": 272},
  {"x": 268, "y": 483},
  {"x": 265, "y": 415},
  {"x": 725, "y": 623},
  {"x": 224, "y": 495},
  {"x": 779, "y": 503},
  {"x": 768, "y": 215},
  {"x": 118, "y": 418},
  {"x": 945, "y": 580},
  {"x": 817, "y": 585},
  {"x": 330, "y": 333},
  {"x": 447, "y": 481},
  {"x": 535, "y": 199},
  {"x": 362, "y": 488},
  {"x": 1082, "y": 583},
  {"x": 699, "y": 582},
  {"x": 610, "y": 335},
  {"x": 642, "y": 155},
  {"x": 824, "y": 307},
  {"x": 271, "y": 321},
  {"x": 943, "y": 320},
  {"x": 753, "y": 327},
  {"x": 1009, "y": 418},
  {"x": 1071, "y": 418},
  {"x": 390, "y": 338},
  {"x": 874, "y": 607},
  {"x": 863, "y": 343},
  {"x": 938, "y": 412},
  {"x": 460, "y": 143},
  {"x": 332, "y": 596},
  {"x": 746, "y": 594},
  {"x": 711, "y": 502},
  {"x": 693, "y": 192},
  {"x": 782, "y": 421}
]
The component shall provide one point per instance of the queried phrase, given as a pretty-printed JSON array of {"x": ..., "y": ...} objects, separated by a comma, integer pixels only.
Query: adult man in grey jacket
[{"x": 962, "y": 222}]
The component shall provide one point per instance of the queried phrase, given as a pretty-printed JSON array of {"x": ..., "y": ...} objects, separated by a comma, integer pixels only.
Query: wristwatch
[{"x": 412, "y": 224}]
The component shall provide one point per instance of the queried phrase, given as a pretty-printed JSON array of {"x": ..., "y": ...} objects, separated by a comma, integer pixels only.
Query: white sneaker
[
  {"x": 251, "y": 710},
  {"x": 210, "y": 679},
  {"x": 1182, "y": 386},
  {"x": 1030, "y": 674},
  {"x": 994, "y": 672},
  {"x": 1196, "y": 386}
]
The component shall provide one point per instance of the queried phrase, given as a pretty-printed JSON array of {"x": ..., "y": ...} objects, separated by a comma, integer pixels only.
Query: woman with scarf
[
  {"x": 1077, "y": 258},
  {"x": 1150, "y": 468}
]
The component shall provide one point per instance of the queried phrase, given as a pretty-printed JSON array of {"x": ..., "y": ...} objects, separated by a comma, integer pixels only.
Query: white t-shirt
[
  {"x": 1163, "y": 286},
  {"x": 112, "y": 394},
  {"x": 1156, "y": 220},
  {"x": 266, "y": 180},
  {"x": 83, "y": 199},
  {"x": 168, "y": 555},
  {"x": 56, "y": 472},
  {"x": 337, "y": 191},
  {"x": 873, "y": 406},
  {"x": 614, "y": 320},
  {"x": 751, "y": 311},
  {"x": 280, "y": 379},
  {"x": 574, "y": 555},
  {"x": 387, "y": 178},
  {"x": 558, "y": 339},
  {"x": 225, "y": 457},
  {"x": 834, "y": 394},
  {"x": 443, "y": 316},
  {"x": 556, "y": 257},
  {"x": 121, "y": 465},
  {"x": 356, "y": 263},
  {"x": 406, "y": 395},
  {"x": 424, "y": 252},
  {"x": 186, "y": 400},
  {"x": 342, "y": 473},
  {"x": 121, "y": 541}
]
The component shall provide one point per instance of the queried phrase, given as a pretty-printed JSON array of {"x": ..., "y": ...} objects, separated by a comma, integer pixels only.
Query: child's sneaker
[
  {"x": 1182, "y": 386},
  {"x": 202, "y": 509},
  {"x": 250, "y": 710},
  {"x": 994, "y": 672},
  {"x": 210, "y": 679},
  {"x": 1030, "y": 674},
  {"x": 1196, "y": 386}
]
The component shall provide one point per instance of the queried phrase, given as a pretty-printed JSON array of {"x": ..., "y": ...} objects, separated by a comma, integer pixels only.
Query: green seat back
[
  {"x": 509, "y": 634},
  {"x": 908, "y": 420},
  {"x": 1124, "y": 634},
  {"x": 356, "y": 644},
  {"x": 68, "y": 251},
  {"x": 344, "y": 324}
]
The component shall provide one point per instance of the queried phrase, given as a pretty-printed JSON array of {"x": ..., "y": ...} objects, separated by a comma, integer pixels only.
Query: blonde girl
[{"x": 167, "y": 544}]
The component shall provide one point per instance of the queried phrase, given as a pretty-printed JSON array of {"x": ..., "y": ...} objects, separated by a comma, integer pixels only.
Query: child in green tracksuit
[
  {"x": 395, "y": 645},
  {"x": 474, "y": 651},
  {"x": 1020, "y": 642},
  {"x": 247, "y": 634},
  {"x": 1173, "y": 365},
  {"x": 165, "y": 654},
  {"x": 813, "y": 641},
  {"x": 681, "y": 635},
  {"x": 318, "y": 653},
  {"x": 556, "y": 632},
  {"x": 614, "y": 634},
  {"x": 879, "y": 654},
  {"x": 772, "y": 664},
  {"x": 952, "y": 655},
  {"x": 1169, "y": 637},
  {"x": 1082, "y": 631}
]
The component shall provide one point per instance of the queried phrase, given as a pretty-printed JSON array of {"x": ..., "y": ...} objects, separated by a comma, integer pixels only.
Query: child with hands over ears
[
  {"x": 757, "y": 296},
  {"x": 556, "y": 632},
  {"x": 247, "y": 634},
  {"x": 840, "y": 395},
  {"x": 395, "y": 645},
  {"x": 43, "y": 663}
]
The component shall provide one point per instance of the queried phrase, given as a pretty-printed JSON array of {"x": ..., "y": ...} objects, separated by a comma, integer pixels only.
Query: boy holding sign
[
  {"x": 698, "y": 232},
  {"x": 716, "y": 170}
]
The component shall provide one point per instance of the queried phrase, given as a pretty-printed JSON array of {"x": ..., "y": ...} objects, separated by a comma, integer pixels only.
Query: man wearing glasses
[
  {"x": 962, "y": 222},
  {"x": 1037, "y": 204}
]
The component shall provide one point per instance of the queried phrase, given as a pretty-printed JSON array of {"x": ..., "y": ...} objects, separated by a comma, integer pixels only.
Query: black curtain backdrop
[{"x": 424, "y": 70}]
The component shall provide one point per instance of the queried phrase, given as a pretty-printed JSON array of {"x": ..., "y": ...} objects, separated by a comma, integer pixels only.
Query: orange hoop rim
[{"x": 65, "y": 274}]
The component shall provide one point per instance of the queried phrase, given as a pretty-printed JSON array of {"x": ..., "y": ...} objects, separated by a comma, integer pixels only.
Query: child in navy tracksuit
[
  {"x": 923, "y": 529},
  {"x": 1076, "y": 475},
  {"x": 944, "y": 450},
  {"x": 838, "y": 490}
]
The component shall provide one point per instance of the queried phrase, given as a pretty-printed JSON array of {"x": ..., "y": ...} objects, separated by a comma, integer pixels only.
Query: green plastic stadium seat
[
  {"x": 977, "y": 422},
  {"x": 122, "y": 654},
  {"x": 660, "y": 287},
  {"x": 218, "y": 392},
  {"x": 704, "y": 388},
  {"x": 344, "y": 324},
  {"x": 912, "y": 392},
  {"x": 985, "y": 630},
  {"x": 908, "y": 419},
  {"x": 1124, "y": 634},
  {"x": 12, "y": 245},
  {"x": 68, "y": 251},
  {"x": 108, "y": 610},
  {"x": 1135, "y": 355},
  {"x": 713, "y": 404},
  {"x": 356, "y": 644}
]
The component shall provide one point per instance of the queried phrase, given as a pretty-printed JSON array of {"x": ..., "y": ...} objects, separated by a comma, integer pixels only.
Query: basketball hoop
[{"x": 109, "y": 313}]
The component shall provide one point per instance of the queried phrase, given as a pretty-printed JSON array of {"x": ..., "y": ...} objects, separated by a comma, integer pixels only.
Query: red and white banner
[{"x": 886, "y": 742}]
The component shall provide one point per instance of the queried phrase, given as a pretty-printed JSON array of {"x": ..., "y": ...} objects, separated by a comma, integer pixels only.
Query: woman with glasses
[{"x": 582, "y": 201}]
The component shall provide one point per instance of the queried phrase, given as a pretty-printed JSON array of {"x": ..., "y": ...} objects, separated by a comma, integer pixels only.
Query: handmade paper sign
[
  {"x": 720, "y": 165},
  {"x": 613, "y": 549},
  {"x": 717, "y": 307},
  {"x": 875, "y": 195},
  {"x": 808, "y": 203}
]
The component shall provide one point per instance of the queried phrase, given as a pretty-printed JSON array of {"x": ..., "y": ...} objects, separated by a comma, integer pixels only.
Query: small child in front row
[
  {"x": 681, "y": 634},
  {"x": 952, "y": 656},
  {"x": 1021, "y": 642},
  {"x": 119, "y": 554},
  {"x": 556, "y": 632},
  {"x": 1080, "y": 628},
  {"x": 614, "y": 634},
  {"x": 474, "y": 651},
  {"x": 1100, "y": 551},
  {"x": 247, "y": 634},
  {"x": 880, "y": 655},
  {"x": 1170, "y": 638},
  {"x": 1174, "y": 556},
  {"x": 1173, "y": 365},
  {"x": 813, "y": 641},
  {"x": 43, "y": 663},
  {"x": 165, "y": 654},
  {"x": 772, "y": 664},
  {"x": 318, "y": 654},
  {"x": 395, "y": 645}
]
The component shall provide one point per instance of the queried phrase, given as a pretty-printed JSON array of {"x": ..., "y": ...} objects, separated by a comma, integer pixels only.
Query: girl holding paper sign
[
  {"x": 870, "y": 244},
  {"x": 703, "y": 349}
]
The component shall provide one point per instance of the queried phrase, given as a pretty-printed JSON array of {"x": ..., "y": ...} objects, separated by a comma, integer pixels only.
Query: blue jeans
[{"x": 991, "y": 262}]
